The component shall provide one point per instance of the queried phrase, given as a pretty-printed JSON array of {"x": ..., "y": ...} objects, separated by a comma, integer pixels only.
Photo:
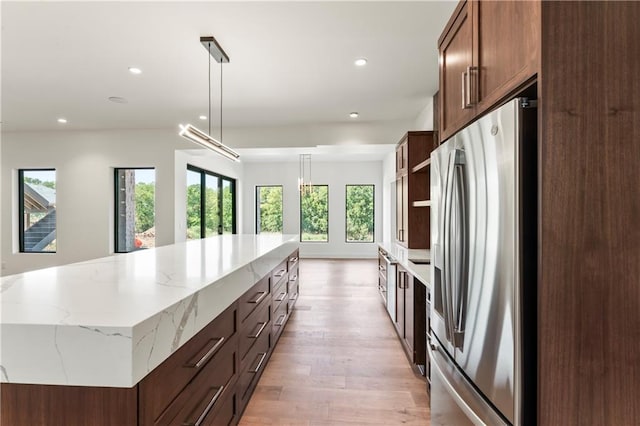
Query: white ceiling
[{"x": 291, "y": 63}]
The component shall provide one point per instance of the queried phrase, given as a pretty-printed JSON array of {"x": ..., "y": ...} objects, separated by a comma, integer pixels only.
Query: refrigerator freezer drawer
[{"x": 454, "y": 401}]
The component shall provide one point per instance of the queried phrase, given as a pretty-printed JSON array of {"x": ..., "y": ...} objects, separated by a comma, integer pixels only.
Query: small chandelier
[
  {"x": 304, "y": 178},
  {"x": 196, "y": 135}
]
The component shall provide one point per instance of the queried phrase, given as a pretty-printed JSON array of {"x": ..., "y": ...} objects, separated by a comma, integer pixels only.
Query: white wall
[
  {"x": 336, "y": 175},
  {"x": 424, "y": 120},
  {"x": 84, "y": 163}
]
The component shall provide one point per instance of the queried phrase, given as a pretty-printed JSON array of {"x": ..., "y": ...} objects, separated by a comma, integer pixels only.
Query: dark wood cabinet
[
  {"x": 488, "y": 51},
  {"x": 293, "y": 286},
  {"x": 456, "y": 66},
  {"x": 412, "y": 190},
  {"x": 167, "y": 381},
  {"x": 587, "y": 258},
  {"x": 399, "y": 320},
  {"x": 410, "y": 320}
]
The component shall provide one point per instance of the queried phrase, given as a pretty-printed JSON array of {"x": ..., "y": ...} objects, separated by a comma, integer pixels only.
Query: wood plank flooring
[{"x": 338, "y": 360}]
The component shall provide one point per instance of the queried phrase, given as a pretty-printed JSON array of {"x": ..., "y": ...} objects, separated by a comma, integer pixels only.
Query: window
[
  {"x": 211, "y": 203},
  {"x": 269, "y": 209},
  {"x": 135, "y": 209},
  {"x": 359, "y": 213},
  {"x": 37, "y": 204},
  {"x": 314, "y": 213}
]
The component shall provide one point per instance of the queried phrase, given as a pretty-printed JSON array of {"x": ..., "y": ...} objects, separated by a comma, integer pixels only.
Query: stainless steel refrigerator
[{"x": 483, "y": 245}]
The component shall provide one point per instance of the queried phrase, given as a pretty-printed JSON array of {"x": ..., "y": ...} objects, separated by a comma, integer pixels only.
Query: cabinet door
[
  {"x": 399, "y": 319},
  {"x": 402, "y": 154},
  {"x": 399, "y": 211},
  {"x": 508, "y": 47},
  {"x": 409, "y": 295},
  {"x": 456, "y": 62},
  {"x": 405, "y": 209}
]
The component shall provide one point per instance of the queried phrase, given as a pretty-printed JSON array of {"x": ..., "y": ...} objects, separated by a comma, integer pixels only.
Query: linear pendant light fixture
[{"x": 198, "y": 136}]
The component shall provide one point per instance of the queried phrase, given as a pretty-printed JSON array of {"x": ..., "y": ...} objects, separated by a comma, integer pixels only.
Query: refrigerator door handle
[
  {"x": 461, "y": 243},
  {"x": 447, "y": 272}
]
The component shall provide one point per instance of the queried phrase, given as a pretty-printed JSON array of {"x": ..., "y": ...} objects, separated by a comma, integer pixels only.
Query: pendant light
[
  {"x": 304, "y": 179},
  {"x": 196, "y": 135}
]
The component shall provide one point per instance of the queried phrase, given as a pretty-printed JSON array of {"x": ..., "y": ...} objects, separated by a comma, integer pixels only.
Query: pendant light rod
[{"x": 198, "y": 136}]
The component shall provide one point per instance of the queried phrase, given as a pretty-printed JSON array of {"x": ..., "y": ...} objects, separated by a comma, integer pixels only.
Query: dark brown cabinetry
[
  {"x": 412, "y": 189},
  {"x": 293, "y": 286},
  {"x": 254, "y": 345},
  {"x": 170, "y": 388},
  {"x": 207, "y": 381},
  {"x": 488, "y": 50},
  {"x": 410, "y": 320},
  {"x": 587, "y": 258}
]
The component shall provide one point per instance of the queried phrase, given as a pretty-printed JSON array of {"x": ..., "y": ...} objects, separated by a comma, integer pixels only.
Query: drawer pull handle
[
  {"x": 208, "y": 407},
  {"x": 207, "y": 354},
  {"x": 294, "y": 278},
  {"x": 280, "y": 320},
  {"x": 280, "y": 273},
  {"x": 281, "y": 297},
  {"x": 259, "y": 299},
  {"x": 256, "y": 335},
  {"x": 293, "y": 260},
  {"x": 262, "y": 356}
]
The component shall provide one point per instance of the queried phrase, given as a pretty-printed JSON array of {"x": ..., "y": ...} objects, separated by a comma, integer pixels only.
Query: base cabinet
[
  {"x": 410, "y": 319},
  {"x": 207, "y": 381}
]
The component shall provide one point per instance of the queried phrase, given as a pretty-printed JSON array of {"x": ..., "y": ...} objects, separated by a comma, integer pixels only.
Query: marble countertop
[
  {"x": 110, "y": 321},
  {"x": 420, "y": 271}
]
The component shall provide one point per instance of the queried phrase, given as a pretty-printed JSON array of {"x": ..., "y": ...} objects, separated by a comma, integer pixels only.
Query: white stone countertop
[
  {"x": 402, "y": 255},
  {"x": 110, "y": 321}
]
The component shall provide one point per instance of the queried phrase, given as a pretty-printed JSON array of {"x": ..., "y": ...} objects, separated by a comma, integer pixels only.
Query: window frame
[
  {"x": 300, "y": 210},
  {"x": 21, "y": 208},
  {"x": 115, "y": 204},
  {"x": 373, "y": 233},
  {"x": 203, "y": 195},
  {"x": 257, "y": 205}
]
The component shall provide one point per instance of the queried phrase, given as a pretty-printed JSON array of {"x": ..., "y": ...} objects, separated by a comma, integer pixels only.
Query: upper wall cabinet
[{"x": 488, "y": 51}]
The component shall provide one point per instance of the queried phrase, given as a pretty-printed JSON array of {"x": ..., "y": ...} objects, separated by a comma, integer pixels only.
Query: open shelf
[
  {"x": 422, "y": 203},
  {"x": 421, "y": 166}
]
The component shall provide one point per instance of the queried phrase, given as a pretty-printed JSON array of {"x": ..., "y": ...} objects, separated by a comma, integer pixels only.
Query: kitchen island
[{"x": 110, "y": 322}]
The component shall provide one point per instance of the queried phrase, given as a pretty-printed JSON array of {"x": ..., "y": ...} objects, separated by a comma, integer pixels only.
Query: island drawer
[
  {"x": 208, "y": 395},
  {"x": 253, "y": 327},
  {"x": 293, "y": 260},
  {"x": 279, "y": 272},
  {"x": 279, "y": 320},
  {"x": 279, "y": 294},
  {"x": 164, "y": 383},
  {"x": 251, "y": 368},
  {"x": 251, "y": 299}
]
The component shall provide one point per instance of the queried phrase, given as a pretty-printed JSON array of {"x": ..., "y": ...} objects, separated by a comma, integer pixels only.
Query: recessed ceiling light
[
  {"x": 118, "y": 100},
  {"x": 361, "y": 62},
  {"x": 354, "y": 115},
  {"x": 134, "y": 70},
  {"x": 203, "y": 117},
  {"x": 62, "y": 120}
]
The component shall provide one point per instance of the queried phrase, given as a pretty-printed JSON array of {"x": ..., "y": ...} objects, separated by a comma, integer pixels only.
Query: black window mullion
[
  {"x": 203, "y": 199},
  {"x": 21, "y": 208},
  {"x": 232, "y": 187},
  {"x": 220, "y": 206}
]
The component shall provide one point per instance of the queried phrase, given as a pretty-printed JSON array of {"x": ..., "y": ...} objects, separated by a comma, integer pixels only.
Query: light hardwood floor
[{"x": 338, "y": 360}]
